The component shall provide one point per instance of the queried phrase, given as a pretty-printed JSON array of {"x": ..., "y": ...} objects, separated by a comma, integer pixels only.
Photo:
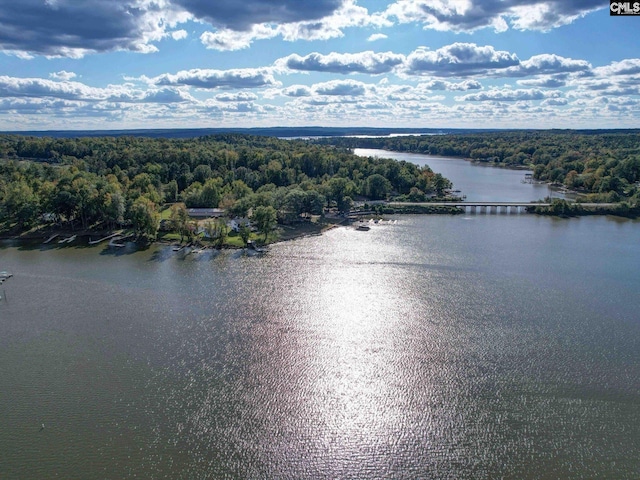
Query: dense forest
[
  {"x": 605, "y": 166},
  {"x": 106, "y": 182},
  {"x": 114, "y": 181}
]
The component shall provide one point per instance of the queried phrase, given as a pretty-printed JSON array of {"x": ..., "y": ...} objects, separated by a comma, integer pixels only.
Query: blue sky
[{"x": 117, "y": 64}]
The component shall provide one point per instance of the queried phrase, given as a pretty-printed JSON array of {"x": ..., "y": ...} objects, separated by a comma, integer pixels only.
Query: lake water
[
  {"x": 479, "y": 182},
  {"x": 457, "y": 347}
]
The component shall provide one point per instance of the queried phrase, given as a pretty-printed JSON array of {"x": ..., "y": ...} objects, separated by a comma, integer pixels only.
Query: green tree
[
  {"x": 21, "y": 204},
  {"x": 171, "y": 191},
  {"x": 87, "y": 200},
  {"x": 245, "y": 233},
  {"x": 239, "y": 189},
  {"x": 440, "y": 184},
  {"x": 192, "y": 194},
  {"x": 241, "y": 207},
  {"x": 293, "y": 204},
  {"x": 377, "y": 187},
  {"x": 338, "y": 189},
  {"x": 265, "y": 218},
  {"x": 179, "y": 219},
  {"x": 346, "y": 204},
  {"x": 145, "y": 218},
  {"x": 314, "y": 202},
  {"x": 210, "y": 194},
  {"x": 202, "y": 173},
  {"x": 416, "y": 195},
  {"x": 114, "y": 208},
  {"x": 142, "y": 184},
  {"x": 64, "y": 205},
  {"x": 217, "y": 231}
]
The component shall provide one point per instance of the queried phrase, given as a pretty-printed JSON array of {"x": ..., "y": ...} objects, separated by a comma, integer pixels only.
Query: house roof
[{"x": 205, "y": 212}]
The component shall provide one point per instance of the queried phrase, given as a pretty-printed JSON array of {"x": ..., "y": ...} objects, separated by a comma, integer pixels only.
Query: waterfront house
[{"x": 237, "y": 223}]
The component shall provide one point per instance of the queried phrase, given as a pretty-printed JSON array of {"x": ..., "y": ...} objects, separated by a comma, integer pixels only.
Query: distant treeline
[
  {"x": 105, "y": 182},
  {"x": 604, "y": 164},
  {"x": 280, "y": 132}
]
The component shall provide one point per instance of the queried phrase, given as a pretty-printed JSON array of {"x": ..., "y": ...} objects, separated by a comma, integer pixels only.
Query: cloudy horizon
[{"x": 96, "y": 65}]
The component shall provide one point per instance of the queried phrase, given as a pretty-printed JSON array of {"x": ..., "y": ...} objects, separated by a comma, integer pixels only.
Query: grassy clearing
[{"x": 165, "y": 212}]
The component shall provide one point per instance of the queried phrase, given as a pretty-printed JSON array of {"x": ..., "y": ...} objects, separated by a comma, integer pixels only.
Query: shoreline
[
  {"x": 51, "y": 237},
  {"x": 474, "y": 161},
  {"x": 55, "y": 237}
]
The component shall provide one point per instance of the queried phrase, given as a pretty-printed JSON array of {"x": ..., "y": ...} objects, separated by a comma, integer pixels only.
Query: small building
[
  {"x": 205, "y": 212},
  {"x": 237, "y": 223}
]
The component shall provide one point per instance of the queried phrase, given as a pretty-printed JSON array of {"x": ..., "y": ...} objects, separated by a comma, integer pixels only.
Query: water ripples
[{"x": 414, "y": 350}]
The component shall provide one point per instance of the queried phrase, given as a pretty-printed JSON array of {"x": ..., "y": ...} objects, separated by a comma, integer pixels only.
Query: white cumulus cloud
[
  {"x": 377, "y": 36},
  {"x": 510, "y": 95},
  {"x": 213, "y": 79},
  {"x": 471, "y": 15},
  {"x": 62, "y": 75},
  {"x": 343, "y": 63},
  {"x": 459, "y": 59}
]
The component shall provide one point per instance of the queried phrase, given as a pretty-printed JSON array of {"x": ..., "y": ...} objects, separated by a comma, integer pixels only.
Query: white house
[{"x": 238, "y": 222}]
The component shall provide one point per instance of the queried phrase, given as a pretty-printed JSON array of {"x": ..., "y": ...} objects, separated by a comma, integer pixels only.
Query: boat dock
[
  {"x": 50, "y": 238},
  {"x": 68, "y": 239},
  {"x": 117, "y": 238},
  {"x": 95, "y": 242}
]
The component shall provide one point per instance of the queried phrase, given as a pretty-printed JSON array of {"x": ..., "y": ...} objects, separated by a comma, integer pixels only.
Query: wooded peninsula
[
  {"x": 147, "y": 184},
  {"x": 110, "y": 182}
]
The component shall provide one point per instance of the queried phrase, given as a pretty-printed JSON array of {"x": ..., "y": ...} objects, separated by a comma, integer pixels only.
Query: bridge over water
[
  {"x": 478, "y": 207},
  {"x": 481, "y": 207},
  {"x": 500, "y": 207}
]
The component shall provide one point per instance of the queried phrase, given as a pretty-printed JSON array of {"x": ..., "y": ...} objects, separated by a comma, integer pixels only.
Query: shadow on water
[
  {"x": 246, "y": 253},
  {"x": 186, "y": 255},
  {"x": 30, "y": 245},
  {"x": 9, "y": 243},
  {"x": 239, "y": 253},
  {"x": 204, "y": 255},
  {"x": 128, "y": 249},
  {"x": 161, "y": 254}
]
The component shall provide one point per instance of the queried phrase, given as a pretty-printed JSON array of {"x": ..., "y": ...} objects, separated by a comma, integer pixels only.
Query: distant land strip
[{"x": 284, "y": 132}]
